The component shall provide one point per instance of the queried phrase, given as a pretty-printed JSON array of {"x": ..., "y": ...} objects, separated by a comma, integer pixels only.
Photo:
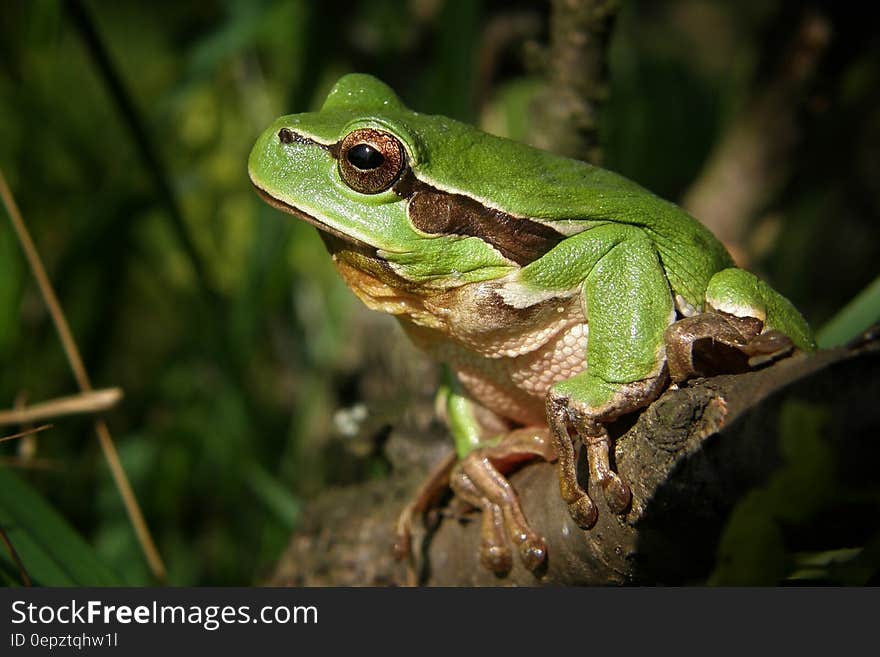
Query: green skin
[{"x": 651, "y": 280}]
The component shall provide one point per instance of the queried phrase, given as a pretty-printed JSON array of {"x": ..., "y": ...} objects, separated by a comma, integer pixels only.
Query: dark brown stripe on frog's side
[{"x": 441, "y": 213}]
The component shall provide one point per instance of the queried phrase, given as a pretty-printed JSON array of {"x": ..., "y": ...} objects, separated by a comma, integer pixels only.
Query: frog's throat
[{"x": 278, "y": 204}]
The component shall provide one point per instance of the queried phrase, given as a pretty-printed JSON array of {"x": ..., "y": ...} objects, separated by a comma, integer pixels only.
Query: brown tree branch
[
  {"x": 689, "y": 458},
  {"x": 565, "y": 115}
]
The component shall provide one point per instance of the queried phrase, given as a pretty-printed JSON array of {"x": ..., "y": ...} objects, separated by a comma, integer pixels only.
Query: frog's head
[{"x": 355, "y": 170}]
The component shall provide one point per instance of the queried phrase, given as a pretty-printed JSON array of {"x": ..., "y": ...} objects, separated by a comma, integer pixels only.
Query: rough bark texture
[{"x": 689, "y": 458}]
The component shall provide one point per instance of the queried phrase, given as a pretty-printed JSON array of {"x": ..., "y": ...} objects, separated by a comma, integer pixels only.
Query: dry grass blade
[
  {"x": 94, "y": 401},
  {"x": 79, "y": 372},
  {"x": 22, "y": 434}
]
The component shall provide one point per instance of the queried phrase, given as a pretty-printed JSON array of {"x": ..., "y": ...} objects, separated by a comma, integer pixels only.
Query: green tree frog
[{"x": 558, "y": 295}]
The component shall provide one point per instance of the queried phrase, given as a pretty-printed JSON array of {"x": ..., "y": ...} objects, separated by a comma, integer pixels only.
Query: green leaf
[
  {"x": 853, "y": 318},
  {"x": 52, "y": 553}
]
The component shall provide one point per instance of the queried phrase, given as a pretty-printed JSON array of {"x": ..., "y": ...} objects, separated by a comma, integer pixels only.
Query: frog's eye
[{"x": 370, "y": 161}]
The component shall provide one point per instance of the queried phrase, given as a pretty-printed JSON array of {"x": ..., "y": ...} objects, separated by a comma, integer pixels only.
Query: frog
[{"x": 558, "y": 296}]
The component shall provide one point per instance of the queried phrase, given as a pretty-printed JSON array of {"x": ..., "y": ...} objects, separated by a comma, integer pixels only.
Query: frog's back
[
  {"x": 519, "y": 180},
  {"x": 572, "y": 196}
]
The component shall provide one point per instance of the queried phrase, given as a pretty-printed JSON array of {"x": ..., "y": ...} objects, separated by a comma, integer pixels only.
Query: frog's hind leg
[
  {"x": 746, "y": 324},
  {"x": 478, "y": 479},
  {"x": 431, "y": 489},
  {"x": 494, "y": 553},
  {"x": 742, "y": 294},
  {"x": 714, "y": 343}
]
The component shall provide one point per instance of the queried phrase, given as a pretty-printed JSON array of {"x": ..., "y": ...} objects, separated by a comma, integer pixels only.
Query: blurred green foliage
[
  {"x": 752, "y": 549},
  {"x": 231, "y": 381},
  {"x": 50, "y": 551}
]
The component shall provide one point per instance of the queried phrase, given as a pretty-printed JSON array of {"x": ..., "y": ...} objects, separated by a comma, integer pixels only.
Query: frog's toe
[
  {"x": 495, "y": 555},
  {"x": 583, "y": 511},
  {"x": 532, "y": 548},
  {"x": 617, "y": 494},
  {"x": 768, "y": 347},
  {"x": 533, "y": 553},
  {"x": 479, "y": 482},
  {"x": 401, "y": 548},
  {"x": 496, "y": 558}
]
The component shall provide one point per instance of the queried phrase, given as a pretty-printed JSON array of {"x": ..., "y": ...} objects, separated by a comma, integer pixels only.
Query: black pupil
[{"x": 364, "y": 157}]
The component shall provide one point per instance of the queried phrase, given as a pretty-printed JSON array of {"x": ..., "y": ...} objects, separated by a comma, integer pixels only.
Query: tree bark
[{"x": 689, "y": 458}]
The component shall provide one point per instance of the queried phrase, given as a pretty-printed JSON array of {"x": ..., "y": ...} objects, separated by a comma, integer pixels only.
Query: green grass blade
[
  {"x": 52, "y": 553},
  {"x": 853, "y": 318}
]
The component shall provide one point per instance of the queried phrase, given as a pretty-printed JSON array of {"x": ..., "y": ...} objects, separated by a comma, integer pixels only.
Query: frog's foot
[
  {"x": 588, "y": 422},
  {"x": 719, "y": 343},
  {"x": 495, "y": 555},
  {"x": 429, "y": 492},
  {"x": 478, "y": 480}
]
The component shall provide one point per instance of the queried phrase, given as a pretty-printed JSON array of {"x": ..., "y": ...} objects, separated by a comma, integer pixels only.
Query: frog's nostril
[{"x": 285, "y": 136}]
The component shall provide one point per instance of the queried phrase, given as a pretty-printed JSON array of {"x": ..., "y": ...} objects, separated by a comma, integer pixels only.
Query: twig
[
  {"x": 93, "y": 401},
  {"x": 82, "y": 378},
  {"x": 566, "y": 114},
  {"x": 28, "y": 432}
]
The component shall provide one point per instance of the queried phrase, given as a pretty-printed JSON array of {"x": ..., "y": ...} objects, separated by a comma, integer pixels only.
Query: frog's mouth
[
  {"x": 351, "y": 254},
  {"x": 278, "y": 204}
]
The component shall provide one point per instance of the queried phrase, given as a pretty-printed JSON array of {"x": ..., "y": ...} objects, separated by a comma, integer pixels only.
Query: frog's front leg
[
  {"x": 628, "y": 304},
  {"x": 569, "y": 409}
]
